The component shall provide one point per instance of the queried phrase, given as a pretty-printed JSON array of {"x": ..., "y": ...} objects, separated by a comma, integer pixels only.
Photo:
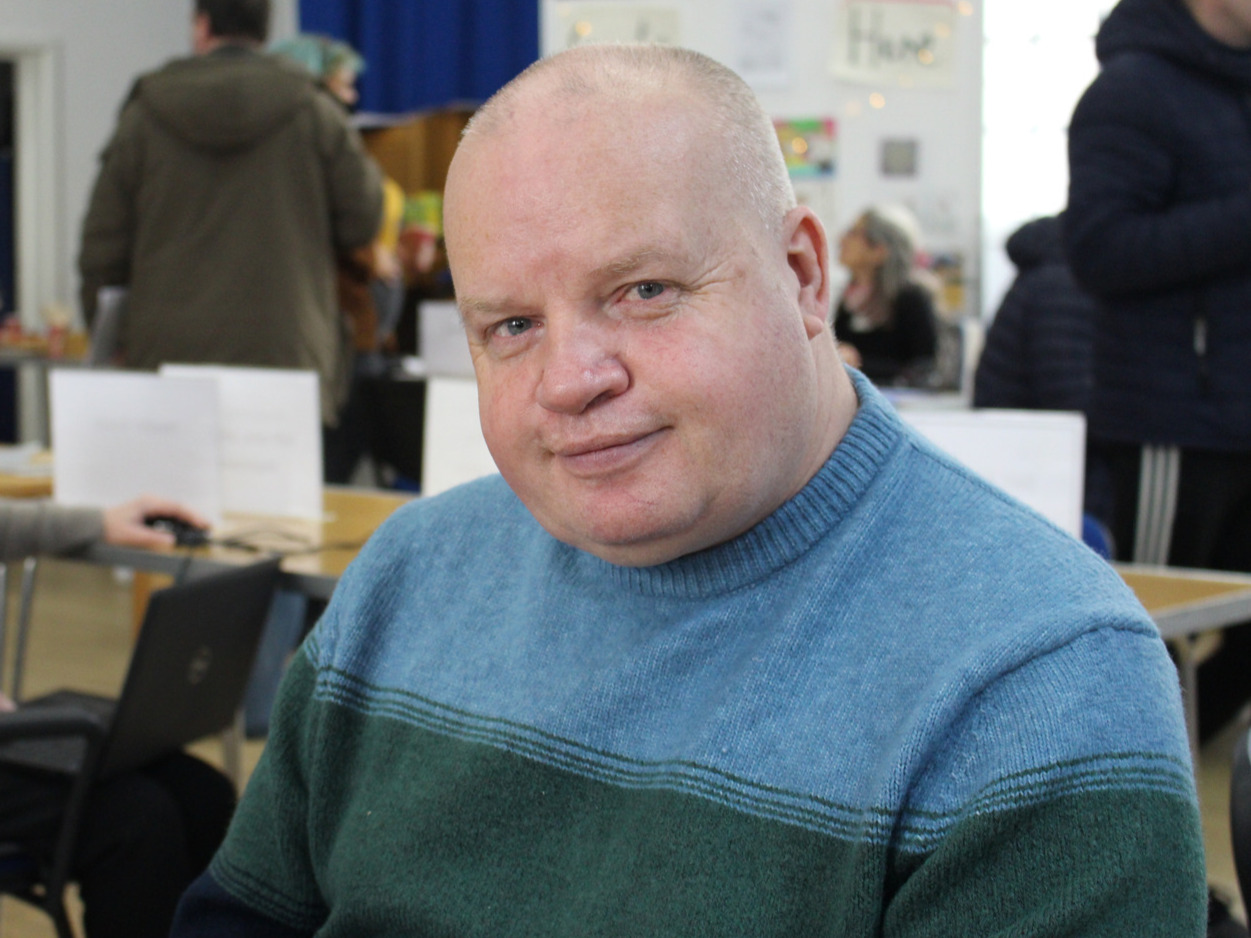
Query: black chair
[
  {"x": 1240, "y": 813},
  {"x": 38, "y": 879}
]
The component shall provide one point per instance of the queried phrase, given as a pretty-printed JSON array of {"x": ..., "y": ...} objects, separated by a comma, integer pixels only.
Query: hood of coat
[
  {"x": 226, "y": 100},
  {"x": 1036, "y": 243},
  {"x": 1168, "y": 29}
]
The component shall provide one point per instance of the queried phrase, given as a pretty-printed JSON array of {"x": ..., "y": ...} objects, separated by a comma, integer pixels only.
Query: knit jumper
[{"x": 903, "y": 704}]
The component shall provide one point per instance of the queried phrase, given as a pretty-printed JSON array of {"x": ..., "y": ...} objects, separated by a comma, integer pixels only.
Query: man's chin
[{"x": 627, "y": 542}]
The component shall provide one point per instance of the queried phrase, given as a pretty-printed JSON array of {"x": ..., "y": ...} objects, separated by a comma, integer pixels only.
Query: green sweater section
[{"x": 420, "y": 833}]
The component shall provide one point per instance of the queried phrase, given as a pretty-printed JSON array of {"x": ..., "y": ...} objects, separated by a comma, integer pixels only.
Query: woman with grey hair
[{"x": 885, "y": 321}]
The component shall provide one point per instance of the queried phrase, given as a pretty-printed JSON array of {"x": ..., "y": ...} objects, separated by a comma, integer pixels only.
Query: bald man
[{"x": 724, "y": 649}]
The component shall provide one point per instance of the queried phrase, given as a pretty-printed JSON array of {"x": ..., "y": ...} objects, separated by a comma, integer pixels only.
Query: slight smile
[{"x": 607, "y": 456}]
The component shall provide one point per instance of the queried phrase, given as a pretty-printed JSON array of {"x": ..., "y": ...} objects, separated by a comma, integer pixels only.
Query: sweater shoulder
[{"x": 1002, "y": 564}]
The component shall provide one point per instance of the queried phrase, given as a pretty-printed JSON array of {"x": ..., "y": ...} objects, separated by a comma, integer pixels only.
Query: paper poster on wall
[
  {"x": 764, "y": 39},
  {"x": 582, "y": 23},
  {"x": 118, "y": 435},
  {"x": 899, "y": 157},
  {"x": 902, "y": 43},
  {"x": 810, "y": 148}
]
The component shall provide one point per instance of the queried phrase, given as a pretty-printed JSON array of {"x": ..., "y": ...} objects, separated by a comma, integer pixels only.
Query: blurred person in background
[
  {"x": 1158, "y": 229},
  {"x": 145, "y": 834},
  {"x": 885, "y": 322}
]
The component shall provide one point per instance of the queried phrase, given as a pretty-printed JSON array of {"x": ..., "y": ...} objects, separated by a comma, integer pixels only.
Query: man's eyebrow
[
  {"x": 478, "y": 308},
  {"x": 629, "y": 263},
  {"x": 481, "y": 308}
]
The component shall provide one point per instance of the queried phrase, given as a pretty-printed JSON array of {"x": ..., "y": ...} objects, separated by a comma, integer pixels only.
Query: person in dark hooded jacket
[
  {"x": 1158, "y": 228},
  {"x": 1039, "y": 348},
  {"x": 231, "y": 183}
]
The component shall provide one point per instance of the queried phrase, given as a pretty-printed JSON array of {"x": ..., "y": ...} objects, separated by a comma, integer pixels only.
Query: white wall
[
  {"x": 84, "y": 56},
  {"x": 1026, "y": 117}
]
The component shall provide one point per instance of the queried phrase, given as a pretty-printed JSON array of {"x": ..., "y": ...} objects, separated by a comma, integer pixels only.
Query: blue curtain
[{"x": 430, "y": 53}]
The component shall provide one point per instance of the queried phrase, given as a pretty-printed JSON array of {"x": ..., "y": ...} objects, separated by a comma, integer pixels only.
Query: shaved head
[{"x": 568, "y": 83}]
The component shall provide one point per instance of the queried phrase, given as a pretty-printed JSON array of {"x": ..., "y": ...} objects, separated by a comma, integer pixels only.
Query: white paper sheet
[
  {"x": 270, "y": 438},
  {"x": 1037, "y": 456},
  {"x": 453, "y": 449},
  {"x": 444, "y": 348},
  {"x": 117, "y": 435}
]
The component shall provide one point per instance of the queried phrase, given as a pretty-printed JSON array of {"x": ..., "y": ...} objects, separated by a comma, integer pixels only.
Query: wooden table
[
  {"x": 31, "y": 479},
  {"x": 1188, "y": 606},
  {"x": 315, "y": 553}
]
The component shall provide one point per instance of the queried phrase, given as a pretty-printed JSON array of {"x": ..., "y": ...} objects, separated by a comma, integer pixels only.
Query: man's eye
[
  {"x": 649, "y": 290},
  {"x": 515, "y": 325}
]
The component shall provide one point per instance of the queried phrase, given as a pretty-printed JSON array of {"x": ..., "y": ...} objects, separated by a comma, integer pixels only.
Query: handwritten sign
[
  {"x": 118, "y": 435},
  {"x": 583, "y": 23},
  {"x": 269, "y": 437},
  {"x": 905, "y": 43}
]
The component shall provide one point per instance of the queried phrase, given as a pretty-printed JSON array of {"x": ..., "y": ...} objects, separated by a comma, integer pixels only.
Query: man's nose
[{"x": 581, "y": 365}]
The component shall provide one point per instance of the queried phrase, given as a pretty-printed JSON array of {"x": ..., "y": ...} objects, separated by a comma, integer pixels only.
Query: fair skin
[
  {"x": 654, "y": 370},
  {"x": 123, "y": 524},
  {"x": 202, "y": 39},
  {"x": 1226, "y": 21},
  {"x": 342, "y": 84}
]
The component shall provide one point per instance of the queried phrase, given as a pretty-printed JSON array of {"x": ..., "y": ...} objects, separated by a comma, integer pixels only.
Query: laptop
[{"x": 186, "y": 678}]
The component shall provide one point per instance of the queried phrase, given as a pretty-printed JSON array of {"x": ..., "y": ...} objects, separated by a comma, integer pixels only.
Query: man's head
[
  {"x": 238, "y": 21},
  {"x": 644, "y": 302}
]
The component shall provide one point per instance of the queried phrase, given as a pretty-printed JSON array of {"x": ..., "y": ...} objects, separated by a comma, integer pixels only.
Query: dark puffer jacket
[
  {"x": 1039, "y": 347},
  {"x": 1159, "y": 228}
]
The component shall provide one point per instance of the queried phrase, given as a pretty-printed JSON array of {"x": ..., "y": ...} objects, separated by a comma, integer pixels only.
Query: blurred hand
[
  {"x": 6, "y": 705},
  {"x": 386, "y": 263},
  {"x": 123, "y": 524}
]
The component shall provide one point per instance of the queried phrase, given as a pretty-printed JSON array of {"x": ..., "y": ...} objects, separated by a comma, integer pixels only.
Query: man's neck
[{"x": 213, "y": 43}]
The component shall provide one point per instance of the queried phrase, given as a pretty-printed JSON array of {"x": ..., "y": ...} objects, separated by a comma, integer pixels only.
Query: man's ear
[
  {"x": 201, "y": 33},
  {"x": 808, "y": 253}
]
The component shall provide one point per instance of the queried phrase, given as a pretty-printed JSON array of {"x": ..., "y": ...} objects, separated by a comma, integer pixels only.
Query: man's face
[{"x": 643, "y": 348}]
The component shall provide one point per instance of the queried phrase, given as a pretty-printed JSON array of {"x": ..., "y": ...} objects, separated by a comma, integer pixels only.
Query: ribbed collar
[{"x": 786, "y": 534}]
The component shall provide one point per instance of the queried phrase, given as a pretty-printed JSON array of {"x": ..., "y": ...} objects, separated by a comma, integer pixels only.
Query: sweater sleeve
[
  {"x": 261, "y": 882},
  {"x": 41, "y": 527},
  {"x": 1067, "y": 812},
  {"x": 209, "y": 911}
]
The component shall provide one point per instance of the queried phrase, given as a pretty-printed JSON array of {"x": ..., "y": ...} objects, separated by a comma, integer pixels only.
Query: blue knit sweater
[{"x": 901, "y": 705}]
